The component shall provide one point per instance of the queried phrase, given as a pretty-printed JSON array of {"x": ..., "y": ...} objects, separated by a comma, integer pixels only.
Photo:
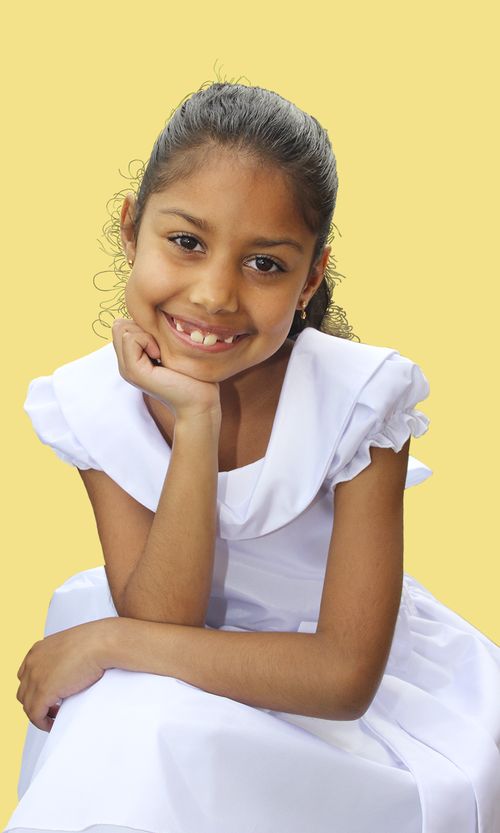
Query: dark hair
[{"x": 260, "y": 124}]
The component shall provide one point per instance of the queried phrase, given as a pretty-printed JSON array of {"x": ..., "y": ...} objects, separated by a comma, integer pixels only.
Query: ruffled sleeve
[
  {"x": 384, "y": 416},
  {"x": 50, "y": 426}
]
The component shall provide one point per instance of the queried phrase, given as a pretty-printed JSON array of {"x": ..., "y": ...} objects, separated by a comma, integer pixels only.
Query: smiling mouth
[{"x": 209, "y": 342}]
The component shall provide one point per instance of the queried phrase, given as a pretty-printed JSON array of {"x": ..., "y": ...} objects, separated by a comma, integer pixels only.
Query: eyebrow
[{"x": 204, "y": 226}]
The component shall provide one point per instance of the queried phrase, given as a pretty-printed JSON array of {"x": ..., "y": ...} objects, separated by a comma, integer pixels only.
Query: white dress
[{"x": 154, "y": 754}]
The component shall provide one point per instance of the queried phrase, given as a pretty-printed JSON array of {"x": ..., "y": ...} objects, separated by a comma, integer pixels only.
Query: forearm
[
  {"x": 172, "y": 580},
  {"x": 298, "y": 673}
]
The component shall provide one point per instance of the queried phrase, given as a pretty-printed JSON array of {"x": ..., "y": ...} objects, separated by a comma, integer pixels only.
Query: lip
[
  {"x": 220, "y": 332},
  {"x": 218, "y": 347}
]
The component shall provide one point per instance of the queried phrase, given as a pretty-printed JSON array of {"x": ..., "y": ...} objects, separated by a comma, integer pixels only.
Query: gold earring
[
  {"x": 303, "y": 313},
  {"x": 130, "y": 262}
]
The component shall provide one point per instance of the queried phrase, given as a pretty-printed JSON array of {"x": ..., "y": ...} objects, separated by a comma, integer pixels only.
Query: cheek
[
  {"x": 130, "y": 297},
  {"x": 278, "y": 315},
  {"x": 141, "y": 296}
]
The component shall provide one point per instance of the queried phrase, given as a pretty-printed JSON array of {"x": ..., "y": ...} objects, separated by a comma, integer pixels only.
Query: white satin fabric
[{"x": 155, "y": 754}]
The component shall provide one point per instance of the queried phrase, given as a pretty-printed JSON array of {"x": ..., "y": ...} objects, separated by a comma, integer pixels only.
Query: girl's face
[{"x": 205, "y": 255}]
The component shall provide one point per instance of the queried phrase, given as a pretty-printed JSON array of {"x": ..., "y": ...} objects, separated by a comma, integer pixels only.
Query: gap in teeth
[{"x": 199, "y": 338}]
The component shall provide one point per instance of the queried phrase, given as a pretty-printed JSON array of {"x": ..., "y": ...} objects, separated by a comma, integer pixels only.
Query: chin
[{"x": 190, "y": 366}]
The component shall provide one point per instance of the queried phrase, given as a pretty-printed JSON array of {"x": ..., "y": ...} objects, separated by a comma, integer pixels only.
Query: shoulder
[
  {"x": 320, "y": 343},
  {"x": 97, "y": 369},
  {"x": 351, "y": 365},
  {"x": 362, "y": 396},
  {"x": 60, "y": 405},
  {"x": 93, "y": 418}
]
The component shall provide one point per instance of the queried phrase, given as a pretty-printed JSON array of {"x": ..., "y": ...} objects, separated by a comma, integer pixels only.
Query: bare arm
[
  {"x": 171, "y": 581},
  {"x": 299, "y": 673},
  {"x": 159, "y": 565},
  {"x": 333, "y": 673}
]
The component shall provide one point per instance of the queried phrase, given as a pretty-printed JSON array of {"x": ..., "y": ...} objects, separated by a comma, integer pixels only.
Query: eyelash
[{"x": 265, "y": 257}]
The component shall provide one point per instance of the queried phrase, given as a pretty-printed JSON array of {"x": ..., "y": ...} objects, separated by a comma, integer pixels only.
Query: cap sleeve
[
  {"x": 384, "y": 416},
  {"x": 50, "y": 426}
]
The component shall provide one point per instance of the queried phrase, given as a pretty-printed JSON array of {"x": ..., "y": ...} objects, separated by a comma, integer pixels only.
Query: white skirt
[{"x": 146, "y": 753}]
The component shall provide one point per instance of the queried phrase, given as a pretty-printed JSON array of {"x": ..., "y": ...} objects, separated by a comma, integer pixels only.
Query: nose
[{"x": 215, "y": 288}]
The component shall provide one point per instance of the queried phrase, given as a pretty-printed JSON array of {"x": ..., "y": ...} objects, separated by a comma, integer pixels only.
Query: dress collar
[{"x": 324, "y": 375}]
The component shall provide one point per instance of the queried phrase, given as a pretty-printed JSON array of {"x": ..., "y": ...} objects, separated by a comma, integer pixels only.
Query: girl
[{"x": 252, "y": 657}]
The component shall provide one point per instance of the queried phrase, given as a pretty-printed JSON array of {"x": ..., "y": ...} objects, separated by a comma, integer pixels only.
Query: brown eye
[
  {"x": 265, "y": 264},
  {"x": 184, "y": 237},
  {"x": 268, "y": 262}
]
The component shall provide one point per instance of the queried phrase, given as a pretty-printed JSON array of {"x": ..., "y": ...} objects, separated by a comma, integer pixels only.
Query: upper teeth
[{"x": 198, "y": 336}]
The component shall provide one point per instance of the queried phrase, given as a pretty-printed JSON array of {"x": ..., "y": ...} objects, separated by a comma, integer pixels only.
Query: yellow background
[{"x": 407, "y": 95}]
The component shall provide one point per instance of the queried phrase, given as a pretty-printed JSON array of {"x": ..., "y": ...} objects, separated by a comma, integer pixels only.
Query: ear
[
  {"x": 127, "y": 226},
  {"x": 315, "y": 276}
]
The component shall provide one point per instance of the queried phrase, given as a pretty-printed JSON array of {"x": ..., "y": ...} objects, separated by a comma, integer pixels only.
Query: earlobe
[{"x": 312, "y": 284}]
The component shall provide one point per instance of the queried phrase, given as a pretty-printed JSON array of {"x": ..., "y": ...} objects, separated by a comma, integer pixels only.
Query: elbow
[
  {"x": 351, "y": 689},
  {"x": 360, "y": 694},
  {"x": 124, "y": 606},
  {"x": 351, "y": 705},
  {"x": 360, "y": 706}
]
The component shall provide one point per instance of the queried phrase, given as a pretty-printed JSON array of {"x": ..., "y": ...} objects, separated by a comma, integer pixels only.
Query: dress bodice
[{"x": 275, "y": 515}]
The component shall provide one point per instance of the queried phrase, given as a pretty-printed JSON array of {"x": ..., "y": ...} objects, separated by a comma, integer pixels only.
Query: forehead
[{"x": 225, "y": 185}]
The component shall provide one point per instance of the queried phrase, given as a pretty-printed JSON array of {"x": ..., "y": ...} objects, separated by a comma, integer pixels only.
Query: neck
[{"x": 248, "y": 386}]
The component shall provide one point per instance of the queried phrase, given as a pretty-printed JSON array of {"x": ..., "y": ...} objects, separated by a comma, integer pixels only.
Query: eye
[
  {"x": 183, "y": 236},
  {"x": 267, "y": 260}
]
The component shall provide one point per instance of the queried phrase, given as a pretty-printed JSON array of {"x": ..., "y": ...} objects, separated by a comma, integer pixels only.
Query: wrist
[
  {"x": 203, "y": 424},
  {"x": 108, "y": 638},
  {"x": 138, "y": 645}
]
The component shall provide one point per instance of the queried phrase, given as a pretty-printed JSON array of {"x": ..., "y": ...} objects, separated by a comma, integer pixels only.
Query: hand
[
  {"x": 184, "y": 395},
  {"x": 57, "y": 667}
]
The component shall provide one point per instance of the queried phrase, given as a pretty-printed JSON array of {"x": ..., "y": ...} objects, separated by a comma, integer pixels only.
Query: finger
[
  {"x": 118, "y": 328},
  {"x": 21, "y": 691},
  {"x": 52, "y": 712},
  {"x": 120, "y": 325},
  {"x": 38, "y": 714},
  {"x": 117, "y": 333},
  {"x": 45, "y": 723},
  {"x": 125, "y": 332},
  {"x": 138, "y": 349},
  {"x": 150, "y": 344},
  {"x": 134, "y": 342}
]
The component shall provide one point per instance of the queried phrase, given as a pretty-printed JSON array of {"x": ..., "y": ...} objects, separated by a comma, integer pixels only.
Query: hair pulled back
[{"x": 264, "y": 126}]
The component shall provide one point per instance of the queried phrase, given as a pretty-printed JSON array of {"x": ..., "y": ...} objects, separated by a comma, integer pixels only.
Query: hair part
[{"x": 268, "y": 129}]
